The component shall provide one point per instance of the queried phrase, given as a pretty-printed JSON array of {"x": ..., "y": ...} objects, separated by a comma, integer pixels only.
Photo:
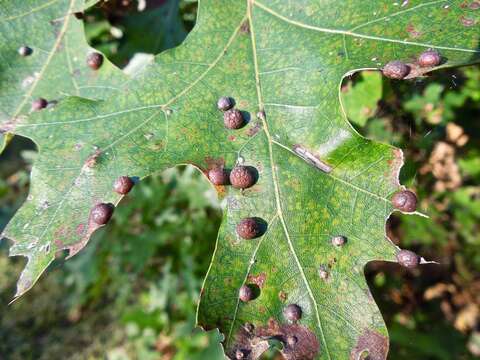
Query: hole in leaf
[{"x": 122, "y": 29}]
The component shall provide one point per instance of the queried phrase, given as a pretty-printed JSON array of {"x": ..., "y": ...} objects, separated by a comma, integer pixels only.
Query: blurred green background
[{"x": 132, "y": 292}]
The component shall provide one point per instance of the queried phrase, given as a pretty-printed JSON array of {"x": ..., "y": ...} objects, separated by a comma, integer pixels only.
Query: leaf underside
[{"x": 287, "y": 58}]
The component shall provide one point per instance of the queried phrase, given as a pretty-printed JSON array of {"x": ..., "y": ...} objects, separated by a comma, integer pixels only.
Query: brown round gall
[
  {"x": 249, "y": 327},
  {"x": 123, "y": 185},
  {"x": 39, "y": 104},
  {"x": 292, "y": 312},
  {"x": 261, "y": 115},
  {"x": 323, "y": 273},
  {"x": 396, "y": 70},
  {"x": 224, "y": 103},
  {"x": 246, "y": 293},
  {"x": 408, "y": 259},
  {"x": 339, "y": 240},
  {"x": 242, "y": 177},
  {"x": 218, "y": 176},
  {"x": 429, "y": 58},
  {"x": 233, "y": 119},
  {"x": 94, "y": 60},
  {"x": 250, "y": 228},
  {"x": 25, "y": 51},
  {"x": 405, "y": 201},
  {"x": 291, "y": 340},
  {"x": 101, "y": 213},
  {"x": 240, "y": 354}
]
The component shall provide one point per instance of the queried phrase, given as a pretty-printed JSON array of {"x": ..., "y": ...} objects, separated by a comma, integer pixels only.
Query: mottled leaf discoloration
[
  {"x": 282, "y": 60},
  {"x": 370, "y": 345},
  {"x": 299, "y": 343}
]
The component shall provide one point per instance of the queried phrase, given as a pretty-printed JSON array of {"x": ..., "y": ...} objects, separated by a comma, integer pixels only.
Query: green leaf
[
  {"x": 57, "y": 65},
  {"x": 360, "y": 100},
  {"x": 317, "y": 177}
]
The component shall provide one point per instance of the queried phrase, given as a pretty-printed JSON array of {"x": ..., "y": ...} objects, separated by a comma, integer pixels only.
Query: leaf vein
[
  {"x": 354, "y": 34},
  {"x": 275, "y": 180}
]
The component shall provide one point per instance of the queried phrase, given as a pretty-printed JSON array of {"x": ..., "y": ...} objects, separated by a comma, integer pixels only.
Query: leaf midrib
[{"x": 279, "y": 212}]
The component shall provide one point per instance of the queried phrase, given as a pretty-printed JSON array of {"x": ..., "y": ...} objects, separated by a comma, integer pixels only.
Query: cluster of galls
[
  {"x": 399, "y": 70},
  {"x": 102, "y": 212},
  {"x": 232, "y": 118},
  {"x": 249, "y": 228},
  {"x": 240, "y": 177},
  {"x": 40, "y": 103},
  {"x": 406, "y": 201},
  {"x": 94, "y": 61}
]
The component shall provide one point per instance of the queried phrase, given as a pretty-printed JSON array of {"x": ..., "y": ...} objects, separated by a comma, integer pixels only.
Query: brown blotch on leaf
[
  {"x": 299, "y": 342},
  {"x": 249, "y": 327},
  {"x": 100, "y": 214},
  {"x": 408, "y": 259},
  {"x": 245, "y": 27},
  {"x": 80, "y": 229},
  {"x": 254, "y": 129},
  {"x": 258, "y": 280},
  {"x": 405, "y": 201},
  {"x": 414, "y": 33},
  {"x": 58, "y": 243},
  {"x": 92, "y": 159},
  {"x": 212, "y": 163},
  {"x": 282, "y": 295},
  {"x": 370, "y": 345},
  {"x": 467, "y": 21},
  {"x": 123, "y": 185},
  {"x": 94, "y": 60},
  {"x": 475, "y": 5},
  {"x": 79, "y": 15}
]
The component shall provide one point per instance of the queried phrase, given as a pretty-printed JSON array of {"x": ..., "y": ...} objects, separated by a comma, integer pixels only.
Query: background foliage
[{"x": 132, "y": 292}]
